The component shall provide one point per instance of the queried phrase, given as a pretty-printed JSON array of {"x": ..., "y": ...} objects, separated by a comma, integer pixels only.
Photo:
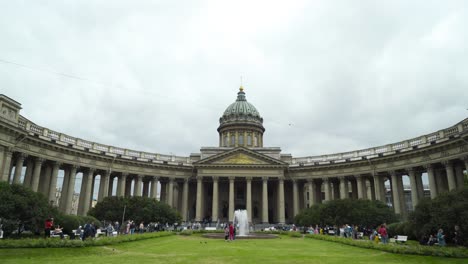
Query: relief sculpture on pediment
[{"x": 239, "y": 158}]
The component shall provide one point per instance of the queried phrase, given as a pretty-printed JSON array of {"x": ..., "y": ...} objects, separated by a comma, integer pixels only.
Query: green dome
[{"x": 241, "y": 106}]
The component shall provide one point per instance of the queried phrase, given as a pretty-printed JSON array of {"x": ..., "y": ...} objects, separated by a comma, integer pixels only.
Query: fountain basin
[{"x": 250, "y": 236}]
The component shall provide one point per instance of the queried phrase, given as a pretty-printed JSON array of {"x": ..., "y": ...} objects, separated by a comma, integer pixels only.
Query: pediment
[{"x": 241, "y": 156}]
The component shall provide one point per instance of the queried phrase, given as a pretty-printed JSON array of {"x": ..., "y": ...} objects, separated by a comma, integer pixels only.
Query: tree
[
  {"x": 347, "y": 211},
  {"x": 22, "y": 209},
  {"x": 445, "y": 211},
  {"x": 139, "y": 209}
]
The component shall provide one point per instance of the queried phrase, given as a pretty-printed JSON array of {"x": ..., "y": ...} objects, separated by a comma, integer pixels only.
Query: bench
[
  {"x": 401, "y": 239},
  {"x": 210, "y": 228},
  {"x": 57, "y": 234}
]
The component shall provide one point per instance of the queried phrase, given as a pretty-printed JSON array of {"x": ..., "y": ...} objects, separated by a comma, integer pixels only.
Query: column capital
[
  {"x": 57, "y": 163},
  {"x": 428, "y": 166},
  {"x": 248, "y": 178},
  {"x": 39, "y": 160},
  {"x": 199, "y": 178},
  {"x": 91, "y": 170},
  {"x": 215, "y": 178},
  {"x": 410, "y": 170},
  {"x": 447, "y": 163},
  {"x": 392, "y": 172},
  {"x": 232, "y": 178},
  {"x": 21, "y": 155},
  {"x": 342, "y": 178},
  {"x": 155, "y": 178},
  {"x": 107, "y": 173},
  {"x": 171, "y": 180},
  {"x": 325, "y": 180},
  {"x": 266, "y": 178},
  {"x": 310, "y": 180},
  {"x": 281, "y": 178},
  {"x": 74, "y": 166}
]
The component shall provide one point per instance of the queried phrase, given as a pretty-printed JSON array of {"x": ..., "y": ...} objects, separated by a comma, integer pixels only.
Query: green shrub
[
  {"x": 455, "y": 252},
  {"x": 294, "y": 234},
  {"x": 57, "y": 242},
  {"x": 445, "y": 211}
]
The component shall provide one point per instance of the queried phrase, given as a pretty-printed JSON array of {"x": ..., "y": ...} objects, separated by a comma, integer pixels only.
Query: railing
[
  {"x": 321, "y": 159},
  {"x": 58, "y": 137},
  {"x": 390, "y": 148}
]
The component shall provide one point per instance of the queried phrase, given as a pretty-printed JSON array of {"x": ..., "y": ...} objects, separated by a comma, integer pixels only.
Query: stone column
[
  {"x": 29, "y": 171},
  {"x": 87, "y": 194},
  {"x": 53, "y": 181},
  {"x": 231, "y": 198},
  {"x": 170, "y": 194},
  {"x": 64, "y": 192},
  {"x": 198, "y": 208},
  {"x": 414, "y": 187},
  {"x": 312, "y": 194},
  {"x": 295, "y": 198},
  {"x": 452, "y": 184},
  {"x": 145, "y": 188},
  {"x": 379, "y": 195},
  {"x": 432, "y": 180},
  {"x": 419, "y": 184},
  {"x": 281, "y": 207},
  {"x": 395, "y": 193},
  {"x": 6, "y": 165},
  {"x": 215, "y": 207},
  {"x": 154, "y": 187},
  {"x": 36, "y": 174},
  {"x": 343, "y": 188},
  {"x": 361, "y": 187},
  {"x": 185, "y": 200},
  {"x": 106, "y": 188},
  {"x": 18, "y": 168},
  {"x": 84, "y": 180},
  {"x": 71, "y": 189},
  {"x": 265, "y": 201},
  {"x": 138, "y": 185},
  {"x": 121, "y": 184},
  {"x": 163, "y": 194},
  {"x": 2, "y": 160},
  {"x": 249, "y": 198},
  {"x": 45, "y": 178},
  {"x": 327, "y": 189}
]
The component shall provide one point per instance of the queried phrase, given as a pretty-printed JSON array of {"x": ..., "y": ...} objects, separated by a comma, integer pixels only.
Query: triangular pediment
[{"x": 240, "y": 156}]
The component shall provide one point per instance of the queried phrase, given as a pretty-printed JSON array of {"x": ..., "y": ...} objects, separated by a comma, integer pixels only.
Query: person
[
  {"x": 226, "y": 232},
  {"x": 48, "y": 225},
  {"x": 141, "y": 228},
  {"x": 59, "y": 231},
  {"x": 457, "y": 236},
  {"x": 79, "y": 232},
  {"x": 432, "y": 240},
  {"x": 383, "y": 233},
  {"x": 109, "y": 230},
  {"x": 231, "y": 232},
  {"x": 441, "y": 237}
]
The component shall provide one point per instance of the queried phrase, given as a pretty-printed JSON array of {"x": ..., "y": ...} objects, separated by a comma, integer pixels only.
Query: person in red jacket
[
  {"x": 231, "y": 232},
  {"x": 383, "y": 233},
  {"x": 48, "y": 225}
]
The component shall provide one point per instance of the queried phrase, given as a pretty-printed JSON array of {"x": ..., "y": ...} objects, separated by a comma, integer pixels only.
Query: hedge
[
  {"x": 66, "y": 243},
  {"x": 454, "y": 252}
]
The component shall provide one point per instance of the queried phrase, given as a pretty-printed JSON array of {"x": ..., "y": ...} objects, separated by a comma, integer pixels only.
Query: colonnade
[{"x": 41, "y": 176}]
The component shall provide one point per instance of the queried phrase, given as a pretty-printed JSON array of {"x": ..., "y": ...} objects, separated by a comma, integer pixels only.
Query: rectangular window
[
  {"x": 241, "y": 140},
  {"x": 255, "y": 141},
  {"x": 233, "y": 141},
  {"x": 225, "y": 141},
  {"x": 249, "y": 140}
]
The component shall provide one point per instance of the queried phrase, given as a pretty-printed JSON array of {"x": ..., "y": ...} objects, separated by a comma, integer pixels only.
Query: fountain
[{"x": 241, "y": 222}]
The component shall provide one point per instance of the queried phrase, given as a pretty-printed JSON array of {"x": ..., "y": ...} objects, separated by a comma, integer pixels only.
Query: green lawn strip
[
  {"x": 408, "y": 248},
  {"x": 58, "y": 243},
  {"x": 196, "y": 249}
]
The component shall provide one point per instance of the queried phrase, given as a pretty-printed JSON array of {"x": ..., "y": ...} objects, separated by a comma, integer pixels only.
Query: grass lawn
[{"x": 195, "y": 249}]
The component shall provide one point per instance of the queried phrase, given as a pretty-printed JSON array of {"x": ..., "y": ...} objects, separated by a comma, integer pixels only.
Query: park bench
[
  {"x": 57, "y": 234},
  {"x": 210, "y": 228},
  {"x": 401, "y": 239}
]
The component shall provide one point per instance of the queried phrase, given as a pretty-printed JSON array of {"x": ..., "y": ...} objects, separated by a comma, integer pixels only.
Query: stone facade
[{"x": 238, "y": 174}]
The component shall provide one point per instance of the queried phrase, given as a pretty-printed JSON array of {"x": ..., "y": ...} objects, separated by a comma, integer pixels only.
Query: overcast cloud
[{"x": 326, "y": 76}]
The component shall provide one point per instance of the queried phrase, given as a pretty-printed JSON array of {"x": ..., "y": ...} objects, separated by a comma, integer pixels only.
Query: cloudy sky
[{"x": 326, "y": 76}]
